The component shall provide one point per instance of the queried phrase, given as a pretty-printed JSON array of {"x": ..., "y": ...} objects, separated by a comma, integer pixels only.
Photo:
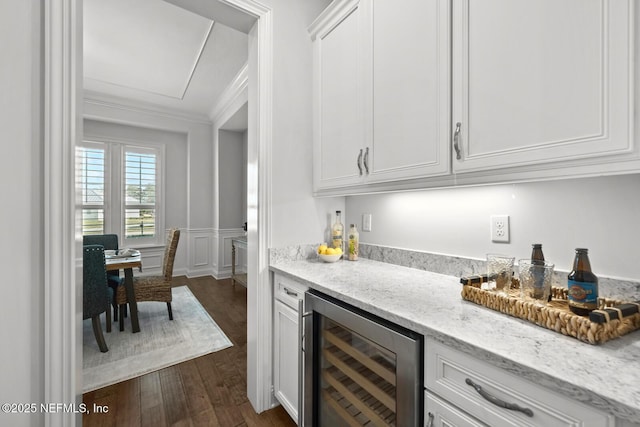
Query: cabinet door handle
[
  {"x": 456, "y": 140},
  {"x": 360, "y": 162},
  {"x": 290, "y": 293},
  {"x": 366, "y": 161},
  {"x": 430, "y": 422},
  {"x": 499, "y": 402}
]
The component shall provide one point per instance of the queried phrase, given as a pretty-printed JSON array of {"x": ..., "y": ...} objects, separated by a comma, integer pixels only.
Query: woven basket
[{"x": 555, "y": 315}]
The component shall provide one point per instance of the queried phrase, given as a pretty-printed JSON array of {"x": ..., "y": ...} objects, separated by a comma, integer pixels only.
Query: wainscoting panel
[
  {"x": 200, "y": 259},
  {"x": 201, "y": 251}
]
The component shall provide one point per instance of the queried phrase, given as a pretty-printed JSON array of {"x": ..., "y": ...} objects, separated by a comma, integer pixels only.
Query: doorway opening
[{"x": 63, "y": 128}]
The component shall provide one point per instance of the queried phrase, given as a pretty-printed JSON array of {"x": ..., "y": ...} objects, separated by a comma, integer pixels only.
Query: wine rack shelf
[{"x": 358, "y": 379}]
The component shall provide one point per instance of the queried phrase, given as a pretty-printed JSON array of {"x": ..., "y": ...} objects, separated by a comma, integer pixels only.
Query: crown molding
[
  {"x": 102, "y": 100},
  {"x": 331, "y": 16},
  {"x": 231, "y": 93}
]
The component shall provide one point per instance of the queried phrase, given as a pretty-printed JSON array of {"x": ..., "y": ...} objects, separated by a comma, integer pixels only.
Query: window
[
  {"x": 120, "y": 187},
  {"x": 92, "y": 183},
  {"x": 140, "y": 194}
]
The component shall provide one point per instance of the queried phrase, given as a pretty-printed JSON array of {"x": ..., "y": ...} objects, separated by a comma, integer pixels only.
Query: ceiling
[{"x": 154, "y": 53}]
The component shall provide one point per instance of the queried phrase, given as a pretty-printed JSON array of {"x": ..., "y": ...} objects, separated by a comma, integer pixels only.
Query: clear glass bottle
[
  {"x": 582, "y": 284},
  {"x": 337, "y": 232},
  {"x": 354, "y": 243}
]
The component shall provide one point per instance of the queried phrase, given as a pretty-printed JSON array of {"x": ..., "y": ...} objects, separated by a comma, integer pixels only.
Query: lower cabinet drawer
[
  {"x": 288, "y": 290},
  {"x": 477, "y": 388}
]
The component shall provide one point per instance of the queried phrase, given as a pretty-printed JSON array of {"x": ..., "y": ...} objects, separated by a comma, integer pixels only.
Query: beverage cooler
[{"x": 359, "y": 369}]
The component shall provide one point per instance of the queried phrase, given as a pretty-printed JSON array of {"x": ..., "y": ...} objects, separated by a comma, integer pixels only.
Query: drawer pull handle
[
  {"x": 290, "y": 293},
  {"x": 359, "y": 162},
  {"x": 498, "y": 402}
]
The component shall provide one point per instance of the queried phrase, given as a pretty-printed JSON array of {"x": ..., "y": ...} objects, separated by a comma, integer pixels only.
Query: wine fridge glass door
[
  {"x": 359, "y": 369},
  {"x": 357, "y": 379}
]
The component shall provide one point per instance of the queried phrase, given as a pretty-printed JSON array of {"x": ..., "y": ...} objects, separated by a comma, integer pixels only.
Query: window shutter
[
  {"x": 140, "y": 188},
  {"x": 91, "y": 180}
]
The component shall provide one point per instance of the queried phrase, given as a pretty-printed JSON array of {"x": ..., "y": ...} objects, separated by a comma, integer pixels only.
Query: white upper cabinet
[
  {"x": 436, "y": 93},
  {"x": 541, "y": 81},
  {"x": 382, "y": 92}
]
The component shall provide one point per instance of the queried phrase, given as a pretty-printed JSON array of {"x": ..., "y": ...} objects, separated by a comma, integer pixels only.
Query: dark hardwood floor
[{"x": 206, "y": 391}]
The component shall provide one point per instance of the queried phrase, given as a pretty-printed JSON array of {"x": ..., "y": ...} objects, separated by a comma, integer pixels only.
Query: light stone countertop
[{"x": 605, "y": 376}]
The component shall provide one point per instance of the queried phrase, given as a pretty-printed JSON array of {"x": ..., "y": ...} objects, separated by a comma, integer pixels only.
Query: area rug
[{"x": 160, "y": 343}]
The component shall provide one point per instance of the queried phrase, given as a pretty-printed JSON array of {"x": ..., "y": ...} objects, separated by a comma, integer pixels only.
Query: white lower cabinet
[
  {"x": 286, "y": 381},
  {"x": 439, "y": 413},
  {"x": 464, "y": 391}
]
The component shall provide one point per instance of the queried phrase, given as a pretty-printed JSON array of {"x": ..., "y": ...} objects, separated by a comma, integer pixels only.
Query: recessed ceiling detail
[{"x": 146, "y": 45}]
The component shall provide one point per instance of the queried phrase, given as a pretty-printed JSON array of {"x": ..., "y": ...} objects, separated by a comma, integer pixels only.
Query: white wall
[
  {"x": 296, "y": 216},
  {"x": 232, "y": 175},
  {"x": 22, "y": 192},
  {"x": 245, "y": 147},
  {"x": 601, "y": 214}
]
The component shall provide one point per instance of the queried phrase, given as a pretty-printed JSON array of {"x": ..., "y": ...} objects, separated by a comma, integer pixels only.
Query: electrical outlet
[
  {"x": 500, "y": 228},
  {"x": 366, "y": 222}
]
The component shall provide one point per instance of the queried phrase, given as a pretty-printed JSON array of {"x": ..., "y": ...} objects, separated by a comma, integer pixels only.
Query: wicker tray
[{"x": 555, "y": 315}]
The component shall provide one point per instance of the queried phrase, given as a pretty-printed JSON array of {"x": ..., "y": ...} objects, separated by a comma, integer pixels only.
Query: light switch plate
[{"x": 366, "y": 222}]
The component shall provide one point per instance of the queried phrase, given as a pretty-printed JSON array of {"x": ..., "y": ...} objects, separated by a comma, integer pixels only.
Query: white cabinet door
[
  {"x": 541, "y": 81},
  {"x": 285, "y": 334},
  {"x": 440, "y": 413},
  {"x": 338, "y": 97},
  {"x": 410, "y": 89}
]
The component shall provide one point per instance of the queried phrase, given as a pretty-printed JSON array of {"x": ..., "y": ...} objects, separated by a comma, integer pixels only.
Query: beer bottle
[
  {"x": 537, "y": 258},
  {"x": 536, "y": 254},
  {"x": 583, "y": 285}
]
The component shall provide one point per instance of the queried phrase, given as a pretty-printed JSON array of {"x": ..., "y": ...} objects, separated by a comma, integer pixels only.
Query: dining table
[{"x": 127, "y": 264}]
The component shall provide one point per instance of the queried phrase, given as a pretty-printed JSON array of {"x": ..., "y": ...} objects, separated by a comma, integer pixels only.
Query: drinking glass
[
  {"x": 499, "y": 272},
  {"x": 535, "y": 280}
]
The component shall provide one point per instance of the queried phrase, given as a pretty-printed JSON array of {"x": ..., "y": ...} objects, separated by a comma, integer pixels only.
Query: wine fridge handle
[
  {"x": 300, "y": 359},
  {"x": 360, "y": 162},
  {"x": 456, "y": 138},
  {"x": 499, "y": 402},
  {"x": 301, "y": 317}
]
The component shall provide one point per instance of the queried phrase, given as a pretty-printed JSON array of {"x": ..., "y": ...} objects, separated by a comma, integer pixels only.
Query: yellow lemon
[
  {"x": 338, "y": 251},
  {"x": 322, "y": 248},
  {"x": 330, "y": 251}
]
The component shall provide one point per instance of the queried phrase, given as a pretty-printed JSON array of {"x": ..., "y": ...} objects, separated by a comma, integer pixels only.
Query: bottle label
[{"x": 583, "y": 294}]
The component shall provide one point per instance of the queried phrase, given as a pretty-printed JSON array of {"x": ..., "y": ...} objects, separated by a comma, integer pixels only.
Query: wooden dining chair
[
  {"x": 154, "y": 288},
  {"x": 96, "y": 294}
]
